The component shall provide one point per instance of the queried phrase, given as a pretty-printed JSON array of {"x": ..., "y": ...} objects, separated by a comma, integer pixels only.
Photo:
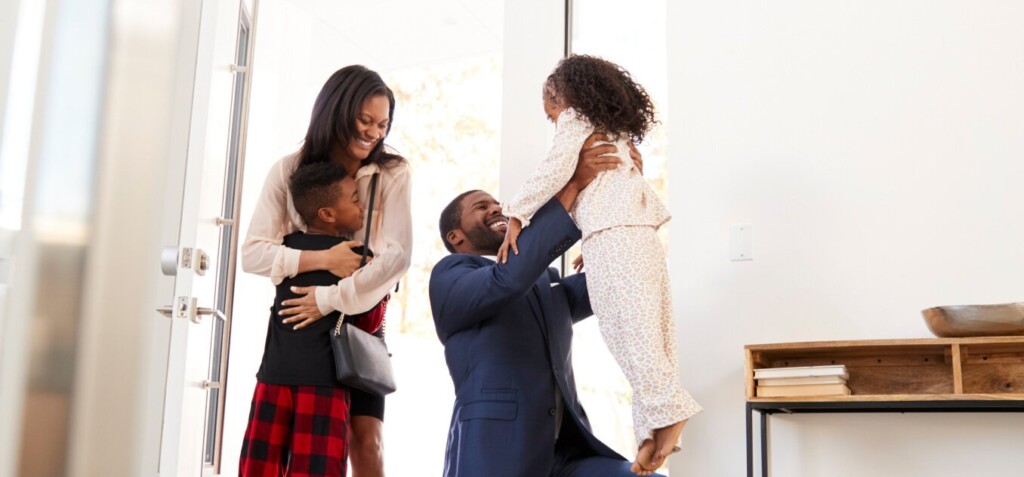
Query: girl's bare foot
[
  {"x": 642, "y": 465},
  {"x": 666, "y": 439}
]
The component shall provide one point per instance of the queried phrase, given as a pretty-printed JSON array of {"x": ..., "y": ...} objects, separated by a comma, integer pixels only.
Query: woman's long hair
[{"x": 335, "y": 111}]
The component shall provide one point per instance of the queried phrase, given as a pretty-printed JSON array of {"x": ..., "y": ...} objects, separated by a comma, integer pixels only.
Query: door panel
[{"x": 204, "y": 257}]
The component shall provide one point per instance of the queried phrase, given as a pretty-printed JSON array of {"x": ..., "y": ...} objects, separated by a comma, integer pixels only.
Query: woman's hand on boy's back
[
  {"x": 342, "y": 261},
  {"x": 302, "y": 309}
]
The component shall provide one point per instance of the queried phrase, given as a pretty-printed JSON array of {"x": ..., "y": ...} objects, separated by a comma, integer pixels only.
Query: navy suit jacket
[{"x": 507, "y": 335}]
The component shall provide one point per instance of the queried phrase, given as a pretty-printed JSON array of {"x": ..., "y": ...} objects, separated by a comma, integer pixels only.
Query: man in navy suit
[{"x": 507, "y": 334}]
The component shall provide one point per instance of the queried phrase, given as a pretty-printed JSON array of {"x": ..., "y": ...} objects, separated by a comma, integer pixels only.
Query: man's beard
[{"x": 485, "y": 240}]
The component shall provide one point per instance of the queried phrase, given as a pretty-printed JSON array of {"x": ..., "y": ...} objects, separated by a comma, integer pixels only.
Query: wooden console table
[{"x": 921, "y": 375}]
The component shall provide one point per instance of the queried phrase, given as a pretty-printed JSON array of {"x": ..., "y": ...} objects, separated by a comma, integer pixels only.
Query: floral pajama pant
[{"x": 627, "y": 277}]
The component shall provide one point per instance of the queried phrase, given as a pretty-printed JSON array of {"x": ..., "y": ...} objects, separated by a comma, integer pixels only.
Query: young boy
[{"x": 299, "y": 420}]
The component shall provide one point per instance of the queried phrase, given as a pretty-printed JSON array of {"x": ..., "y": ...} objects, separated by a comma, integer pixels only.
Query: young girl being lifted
[{"x": 619, "y": 215}]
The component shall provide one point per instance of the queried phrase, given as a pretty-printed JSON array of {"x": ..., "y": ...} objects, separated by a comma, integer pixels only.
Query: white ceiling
[{"x": 400, "y": 33}]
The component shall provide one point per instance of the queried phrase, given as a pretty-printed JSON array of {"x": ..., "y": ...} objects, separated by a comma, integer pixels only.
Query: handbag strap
[
  {"x": 369, "y": 217},
  {"x": 366, "y": 239}
]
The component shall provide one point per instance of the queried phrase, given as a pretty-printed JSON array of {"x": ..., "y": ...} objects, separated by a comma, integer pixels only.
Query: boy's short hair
[{"x": 312, "y": 187}]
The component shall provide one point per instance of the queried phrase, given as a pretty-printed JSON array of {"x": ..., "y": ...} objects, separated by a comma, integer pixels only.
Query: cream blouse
[
  {"x": 619, "y": 197},
  {"x": 390, "y": 236}
]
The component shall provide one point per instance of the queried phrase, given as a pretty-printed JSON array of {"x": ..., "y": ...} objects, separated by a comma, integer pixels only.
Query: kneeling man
[{"x": 507, "y": 334}]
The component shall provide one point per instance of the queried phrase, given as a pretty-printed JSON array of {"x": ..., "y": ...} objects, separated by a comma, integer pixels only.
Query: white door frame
[{"x": 191, "y": 308}]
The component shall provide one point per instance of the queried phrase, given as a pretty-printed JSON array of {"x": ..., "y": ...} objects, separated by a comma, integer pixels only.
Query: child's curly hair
[{"x": 604, "y": 93}]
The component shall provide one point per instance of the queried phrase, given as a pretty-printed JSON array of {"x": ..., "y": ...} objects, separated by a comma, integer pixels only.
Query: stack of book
[{"x": 800, "y": 381}]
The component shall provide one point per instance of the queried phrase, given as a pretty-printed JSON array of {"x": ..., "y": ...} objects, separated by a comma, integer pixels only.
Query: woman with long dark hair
[{"x": 351, "y": 117}]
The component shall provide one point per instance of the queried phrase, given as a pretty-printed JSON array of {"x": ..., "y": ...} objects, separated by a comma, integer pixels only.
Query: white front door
[{"x": 203, "y": 260}]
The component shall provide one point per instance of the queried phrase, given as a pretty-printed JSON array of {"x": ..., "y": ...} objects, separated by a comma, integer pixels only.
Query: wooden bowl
[{"x": 976, "y": 320}]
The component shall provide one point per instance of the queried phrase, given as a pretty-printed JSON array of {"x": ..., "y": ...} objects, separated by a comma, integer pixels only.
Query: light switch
[{"x": 740, "y": 243}]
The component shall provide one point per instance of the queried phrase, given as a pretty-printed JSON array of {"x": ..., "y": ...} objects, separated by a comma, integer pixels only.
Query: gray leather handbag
[{"x": 361, "y": 359}]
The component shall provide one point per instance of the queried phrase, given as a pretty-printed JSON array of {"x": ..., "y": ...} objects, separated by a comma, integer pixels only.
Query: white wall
[{"x": 876, "y": 148}]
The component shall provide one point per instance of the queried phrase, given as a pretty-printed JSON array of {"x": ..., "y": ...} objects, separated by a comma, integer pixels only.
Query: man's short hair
[
  {"x": 451, "y": 218},
  {"x": 312, "y": 187}
]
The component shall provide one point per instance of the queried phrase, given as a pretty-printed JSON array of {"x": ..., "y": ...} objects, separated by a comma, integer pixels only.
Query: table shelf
[
  {"x": 923, "y": 369},
  {"x": 920, "y": 375}
]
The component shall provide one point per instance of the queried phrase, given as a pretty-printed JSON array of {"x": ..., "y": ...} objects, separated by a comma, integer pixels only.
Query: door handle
[
  {"x": 187, "y": 307},
  {"x": 203, "y": 311},
  {"x": 178, "y": 310},
  {"x": 169, "y": 264}
]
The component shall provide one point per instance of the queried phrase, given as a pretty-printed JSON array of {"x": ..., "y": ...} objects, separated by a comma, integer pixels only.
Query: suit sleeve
[
  {"x": 575, "y": 287},
  {"x": 464, "y": 291}
]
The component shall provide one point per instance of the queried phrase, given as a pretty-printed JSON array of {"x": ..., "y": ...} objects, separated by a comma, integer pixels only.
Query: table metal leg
[
  {"x": 766, "y": 409},
  {"x": 750, "y": 442},
  {"x": 764, "y": 444}
]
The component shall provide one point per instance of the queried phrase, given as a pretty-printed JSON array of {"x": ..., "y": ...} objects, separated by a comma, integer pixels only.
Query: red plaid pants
[{"x": 296, "y": 431}]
